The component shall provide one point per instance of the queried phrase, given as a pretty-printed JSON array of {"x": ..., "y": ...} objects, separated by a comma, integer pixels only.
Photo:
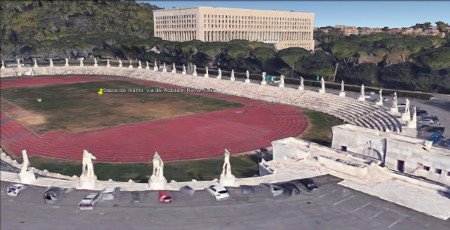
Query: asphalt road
[{"x": 330, "y": 207}]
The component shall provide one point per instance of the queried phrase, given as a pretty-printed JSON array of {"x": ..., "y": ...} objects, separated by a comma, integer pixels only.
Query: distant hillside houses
[{"x": 353, "y": 30}]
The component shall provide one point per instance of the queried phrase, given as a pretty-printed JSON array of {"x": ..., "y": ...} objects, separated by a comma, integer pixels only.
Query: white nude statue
[
  {"x": 107, "y": 63},
  {"x": 130, "y": 65},
  {"x": 146, "y": 65},
  {"x": 174, "y": 69},
  {"x": 263, "y": 76},
  {"x": 81, "y": 61},
  {"x": 67, "y": 62},
  {"x": 247, "y": 77},
  {"x": 219, "y": 74},
  {"x": 155, "y": 67},
  {"x": 51, "y": 62},
  {"x": 3, "y": 64},
  {"x": 35, "y": 63},
  {"x": 18, "y": 63},
  {"x": 120, "y": 63},
  {"x": 139, "y": 64},
  {"x": 406, "y": 116},
  {"x": 413, "y": 122},
  {"x": 157, "y": 181},
  {"x": 195, "y": 71},
  {"x": 302, "y": 84},
  {"x": 226, "y": 178},
  {"x": 164, "y": 68},
  {"x": 232, "y": 78},
  {"x": 380, "y": 99},
  {"x": 88, "y": 179},
  {"x": 281, "y": 85},
  {"x": 394, "y": 104},
  {"x": 362, "y": 97},
  {"x": 206, "y": 72},
  {"x": 184, "y": 70},
  {"x": 342, "y": 92},
  {"x": 95, "y": 62},
  {"x": 26, "y": 175},
  {"x": 322, "y": 86}
]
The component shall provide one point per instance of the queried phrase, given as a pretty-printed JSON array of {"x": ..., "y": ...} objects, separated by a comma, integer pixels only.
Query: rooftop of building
[{"x": 237, "y": 9}]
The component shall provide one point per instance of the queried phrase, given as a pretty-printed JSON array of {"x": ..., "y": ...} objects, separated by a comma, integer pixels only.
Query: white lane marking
[
  {"x": 396, "y": 222},
  {"x": 321, "y": 196},
  {"x": 348, "y": 198},
  {"x": 376, "y": 214},
  {"x": 363, "y": 206}
]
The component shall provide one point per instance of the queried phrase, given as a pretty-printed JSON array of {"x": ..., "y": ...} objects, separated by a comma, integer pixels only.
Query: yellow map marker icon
[{"x": 100, "y": 92}]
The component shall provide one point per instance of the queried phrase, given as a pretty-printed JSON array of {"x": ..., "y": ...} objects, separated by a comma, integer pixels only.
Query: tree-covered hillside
[{"x": 124, "y": 29}]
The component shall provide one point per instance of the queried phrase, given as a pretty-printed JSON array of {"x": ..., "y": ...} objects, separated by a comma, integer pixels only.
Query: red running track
[{"x": 242, "y": 129}]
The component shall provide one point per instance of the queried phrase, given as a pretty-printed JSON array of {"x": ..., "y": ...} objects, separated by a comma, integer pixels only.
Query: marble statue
[
  {"x": 263, "y": 81},
  {"x": 164, "y": 68},
  {"x": 130, "y": 66},
  {"x": 174, "y": 69},
  {"x": 302, "y": 84},
  {"x": 120, "y": 63},
  {"x": 26, "y": 175},
  {"x": 195, "y": 71},
  {"x": 3, "y": 64},
  {"x": 394, "y": 104},
  {"x": 95, "y": 62},
  {"x": 139, "y": 64},
  {"x": 380, "y": 100},
  {"x": 219, "y": 74},
  {"x": 157, "y": 180},
  {"x": 406, "y": 116},
  {"x": 81, "y": 61},
  {"x": 281, "y": 85},
  {"x": 413, "y": 122},
  {"x": 146, "y": 65},
  {"x": 51, "y": 62},
  {"x": 342, "y": 92},
  {"x": 88, "y": 179},
  {"x": 322, "y": 86},
  {"x": 362, "y": 97},
  {"x": 206, "y": 72},
  {"x": 35, "y": 63},
  {"x": 247, "y": 75},
  {"x": 226, "y": 178},
  {"x": 232, "y": 78},
  {"x": 107, "y": 63},
  {"x": 184, "y": 70},
  {"x": 67, "y": 62},
  {"x": 18, "y": 63},
  {"x": 155, "y": 67}
]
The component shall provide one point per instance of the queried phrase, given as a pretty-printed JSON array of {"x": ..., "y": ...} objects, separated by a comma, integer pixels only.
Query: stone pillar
[
  {"x": 281, "y": 85},
  {"x": 263, "y": 81},
  {"x": 302, "y": 86},
  {"x": 232, "y": 78},
  {"x": 219, "y": 74},
  {"x": 174, "y": 69},
  {"x": 247, "y": 79},
  {"x": 322, "y": 86},
  {"x": 342, "y": 93},
  {"x": 362, "y": 97},
  {"x": 51, "y": 62},
  {"x": 206, "y": 72}
]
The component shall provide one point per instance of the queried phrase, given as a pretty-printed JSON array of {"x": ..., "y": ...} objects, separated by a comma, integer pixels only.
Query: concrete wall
[{"x": 418, "y": 159}]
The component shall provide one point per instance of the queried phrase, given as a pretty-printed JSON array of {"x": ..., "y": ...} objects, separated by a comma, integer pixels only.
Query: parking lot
[{"x": 331, "y": 206}]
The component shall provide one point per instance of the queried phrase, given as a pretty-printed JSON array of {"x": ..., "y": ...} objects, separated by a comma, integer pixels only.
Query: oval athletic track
[{"x": 196, "y": 136}]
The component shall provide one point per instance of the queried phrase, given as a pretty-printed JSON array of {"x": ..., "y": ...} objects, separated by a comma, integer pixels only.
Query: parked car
[
  {"x": 164, "y": 197},
  {"x": 218, "y": 191},
  {"x": 89, "y": 202},
  {"x": 306, "y": 184},
  {"x": 274, "y": 189},
  {"x": 110, "y": 193},
  {"x": 421, "y": 112},
  {"x": 135, "y": 197},
  {"x": 290, "y": 188},
  {"x": 247, "y": 189},
  {"x": 187, "y": 190},
  {"x": 54, "y": 194},
  {"x": 15, "y": 189}
]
